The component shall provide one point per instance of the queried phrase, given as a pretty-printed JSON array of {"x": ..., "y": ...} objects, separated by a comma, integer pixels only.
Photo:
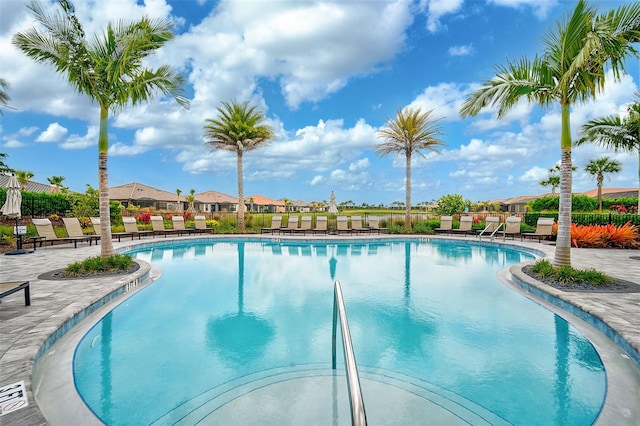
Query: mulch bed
[
  {"x": 615, "y": 286},
  {"x": 58, "y": 274}
]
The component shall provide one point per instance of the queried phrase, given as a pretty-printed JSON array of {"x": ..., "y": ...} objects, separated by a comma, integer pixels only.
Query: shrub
[
  {"x": 96, "y": 265},
  {"x": 566, "y": 275},
  {"x": 144, "y": 218},
  {"x": 424, "y": 228},
  {"x": 605, "y": 236}
]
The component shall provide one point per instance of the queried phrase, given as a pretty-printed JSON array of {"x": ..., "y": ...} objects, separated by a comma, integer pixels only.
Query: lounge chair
[
  {"x": 446, "y": 224},
  {"x": 321, "y": 225},
  {"x": 13, "y": 287},
  {"x": 492, "y": 224},
  {"x": 512, "y": 227},
  {"x": 356, "y": 225},
  {"x": 46, "y": 234},
  {"x": 276, "y": 221},
  {"x": 74, "y": 229},
  {"x": 544, "y": 228},
  {"x": 305, "y": 225},
  {"x": 374, "y": 224},
  {"x": 178, "y": 225},
  {"x": 342, "y": 225},
  {"x": 131, "y": 228},
  {"x": 292, "y": 225},
  {"x": 201, "y": 225},
  {"x": 465, "y": 226},
  {"x": 157, "y": 225}
]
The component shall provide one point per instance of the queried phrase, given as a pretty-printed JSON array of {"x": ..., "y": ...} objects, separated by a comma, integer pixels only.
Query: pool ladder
[
  {"x": 488, "y": 228},
  {"x": 358, "y": 415}
]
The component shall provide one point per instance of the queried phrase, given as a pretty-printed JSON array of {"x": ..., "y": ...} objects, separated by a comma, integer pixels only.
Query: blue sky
[{"x": 327, "y": 75}]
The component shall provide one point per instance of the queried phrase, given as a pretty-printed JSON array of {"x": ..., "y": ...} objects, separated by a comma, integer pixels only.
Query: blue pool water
[{"x": 435, "y": 312}]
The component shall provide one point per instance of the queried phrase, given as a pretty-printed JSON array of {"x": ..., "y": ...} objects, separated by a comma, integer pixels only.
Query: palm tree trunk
[
  {"x": 563, "y": 240},
  {"x": 600, "y": 179},
  {"x": 407, "y": 215},
  {"x": 240, "y": 194},
  {"x": 106, "y": 245}
]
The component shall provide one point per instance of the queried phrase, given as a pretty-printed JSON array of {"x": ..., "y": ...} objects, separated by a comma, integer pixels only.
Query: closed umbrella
[
  {"x": 11, "y": 208},
  {"x": 333, "y": 207}
]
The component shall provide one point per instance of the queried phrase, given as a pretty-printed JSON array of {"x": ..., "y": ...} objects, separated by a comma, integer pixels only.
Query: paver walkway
[{"x": 25, "y": 331}]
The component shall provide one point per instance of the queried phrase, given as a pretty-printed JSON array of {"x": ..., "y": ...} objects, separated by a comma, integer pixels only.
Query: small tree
[
  {"x": 24, "y": 177},
  {"x": 598, "y": 168},
  {"x": 452, "y": 203}
]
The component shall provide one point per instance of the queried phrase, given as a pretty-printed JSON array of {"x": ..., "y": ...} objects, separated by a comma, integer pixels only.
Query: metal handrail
[
  {"x": 500, "y": 225},
  {"x": 358, "y": 415}
]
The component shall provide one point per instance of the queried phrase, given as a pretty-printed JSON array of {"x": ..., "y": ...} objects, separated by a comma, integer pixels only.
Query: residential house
[
  {"x": 259, "y": 203},
  {"x": 145, "y": 196},
  {"x": 613, "y": 193},
  {"x": 213, "y": 201}
]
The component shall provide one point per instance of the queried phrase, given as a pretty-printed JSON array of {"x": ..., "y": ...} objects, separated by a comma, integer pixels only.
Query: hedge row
[{"x": 587, "y": 219}]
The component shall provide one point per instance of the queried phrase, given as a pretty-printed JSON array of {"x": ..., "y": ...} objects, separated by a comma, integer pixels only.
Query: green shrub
[
  {"x": 96, "y": 265},
  {"x": 425, "y": 227},
  {"x": 566, "y": 275}
]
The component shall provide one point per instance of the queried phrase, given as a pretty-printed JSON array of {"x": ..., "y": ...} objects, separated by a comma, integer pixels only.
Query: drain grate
[{"x": 12, "y": 397}]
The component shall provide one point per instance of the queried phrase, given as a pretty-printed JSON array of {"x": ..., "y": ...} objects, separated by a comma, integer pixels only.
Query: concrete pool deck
[{"x": 25, "y": 331}]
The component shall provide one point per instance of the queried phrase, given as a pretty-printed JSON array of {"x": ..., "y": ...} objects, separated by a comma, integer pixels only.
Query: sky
[{"x": 328, "y": 75}]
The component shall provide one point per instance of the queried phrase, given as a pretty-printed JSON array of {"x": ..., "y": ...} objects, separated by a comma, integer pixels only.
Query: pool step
[{"x": 314, "y": 394}]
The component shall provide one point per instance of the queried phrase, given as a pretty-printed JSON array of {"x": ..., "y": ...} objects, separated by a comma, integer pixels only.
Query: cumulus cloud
[
  {"x": 437, "y": 9},
  {"x": 54, "y": 133},
  {"x": 540, "y": 8},
  {"x": 81, "y": 141}
]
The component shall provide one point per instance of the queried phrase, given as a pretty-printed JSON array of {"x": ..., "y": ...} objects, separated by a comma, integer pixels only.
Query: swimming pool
[{"x": 430, "y": 323}]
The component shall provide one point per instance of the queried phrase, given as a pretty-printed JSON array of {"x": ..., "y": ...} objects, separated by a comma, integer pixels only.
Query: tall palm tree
[
  {"x": 619, "y": 134},
  {"x": 598, "y": 168},
  {"x": 553, "y": 181},
  {"x": 411, "y": 132},
  {"x": 238, "y": 129},
  {"x": 110, "y": 70},
  {"x": 24, "y": 176},
  {"x": 570, "y": 70}
]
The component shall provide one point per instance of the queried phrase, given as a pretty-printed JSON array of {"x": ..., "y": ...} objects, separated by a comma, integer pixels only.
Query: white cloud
[
  {"x": 541, "y": 8},
  {"x": 535, "y": 174},
  {"x": 437, "y": 9},
  {"x": 54, "y": 133},
  {"x": 463, "y": 50},
  {"x": 82, "y": 141}
]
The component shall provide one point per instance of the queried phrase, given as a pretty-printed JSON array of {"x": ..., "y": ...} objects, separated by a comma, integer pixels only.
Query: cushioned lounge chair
[
  {"x": 342, "y": 225},
  {"x": 178, "y": 225},
  {"x": 374, "y": 224},
  {"x": 46, "y": 234},
  {"x": 201, "y": 225},
  {"x": 74, "y": 229},
  {"x": 446, "y": 224},
  {"x": 157, "y": 224},
  {"x": 131, "y": 228},
  {"x": 512, "y": 227},
  {"x": 321, "y": 225},
  {"x": 356, "y": 225},
  {"x": 465, "y": 226},
  {"x": 276, "y": 222},
  {"x": 305, "y": 225},
  {"x": 544, "y": 228}
]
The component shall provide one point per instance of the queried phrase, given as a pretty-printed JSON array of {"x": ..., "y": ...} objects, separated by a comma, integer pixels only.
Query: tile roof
[
  {"x": 264, "y": 201},
  {"x": 31, "y": 185},
  {"x": 138, "y": 191},
  {"x": 215, "y": 197}
]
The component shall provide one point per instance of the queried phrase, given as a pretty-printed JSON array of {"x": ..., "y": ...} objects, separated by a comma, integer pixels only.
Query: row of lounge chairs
[
  {"x": 47, "y": 235},
  {"x": 493, "y": 227},
  {"x": 303, "y": 225}
]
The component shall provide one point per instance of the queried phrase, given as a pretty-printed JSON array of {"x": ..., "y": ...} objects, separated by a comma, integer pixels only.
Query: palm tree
[
  {"x": 24, "y": 177},
  {"x": 598, "y": 168},
  {"x": 4, "y": 96},
  {"x": 570, "y": 70},
  {"x": 3, "y": 166},
  {"x": 55, "y": 182},
  {"x": 411, "y": 132},
  {"x": 619, "y": 134},
  {"x": 178, "y": 192},
  {"x": 191, "y": 198},
  {"x": 110, "y": 70},
  {"x": 238, "y": 129},
  {"x": 553, "y": 181}
]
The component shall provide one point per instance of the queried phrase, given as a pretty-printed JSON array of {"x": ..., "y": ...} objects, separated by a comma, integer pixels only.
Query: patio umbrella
[
  {"x": 11, "y": 208},
  {"x": 333, "y": 206}
]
